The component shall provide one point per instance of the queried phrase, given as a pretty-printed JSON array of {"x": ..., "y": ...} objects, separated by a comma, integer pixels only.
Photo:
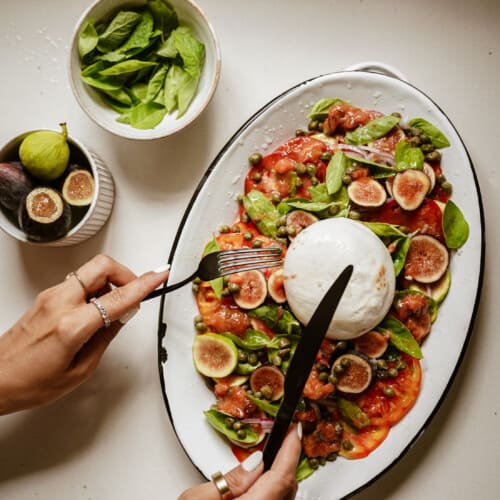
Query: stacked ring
[
  {"x": 222, "y": 487},
  {"x": 74, "y": 274},
  {"x": 102, "y": 311}
]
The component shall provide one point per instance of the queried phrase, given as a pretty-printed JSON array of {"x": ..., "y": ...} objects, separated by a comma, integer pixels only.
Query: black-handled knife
[{"x": 301, "y": 364}]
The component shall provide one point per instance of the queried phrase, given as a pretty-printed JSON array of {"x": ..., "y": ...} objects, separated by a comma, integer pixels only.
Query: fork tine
[
  {"x": 229, "y": 270},
  {"x": 237, "y": 255},
  {"x": 248, "y": 262}
]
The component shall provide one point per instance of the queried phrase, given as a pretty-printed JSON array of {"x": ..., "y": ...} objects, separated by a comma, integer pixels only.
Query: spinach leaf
[
  {"x": 217, "y": 420},
  {"x": 87, "y": 40},
  {"x": 372, "y": 130},
  {"x": 407, "y": 156},
  {"x": 377, "y": 170},
  {"x": 399, "y": 254},
  {"x": 385, "y": 230},
  {"x": 156, "y": 83},
  {"x": 455, "y": 227},
  {"x": 320, "y": 109},
  {"x": 303, "y": 470},
  {"x": 253, "y": 340},
  {"x": 438, "y": 139},
  {"x": 277, "y": 318},
  {"x": 262, "y": 212},
  {"x": 353, "y": 413},
  {"x": 400, "y": 336},
  {"x": 335, "y": 171},
  {"x": 118, "y": 30},
  {"x": 217, "y": 284},
  {"x": 164, "y": 15},
  {"x": 147, "y": 115},
  {"x": 126, "y": 67},
  {"x": 270, "y": 408}
]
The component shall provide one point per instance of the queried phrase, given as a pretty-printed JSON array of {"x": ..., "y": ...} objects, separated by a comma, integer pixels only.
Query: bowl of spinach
[{"x": 144, "y": 69}]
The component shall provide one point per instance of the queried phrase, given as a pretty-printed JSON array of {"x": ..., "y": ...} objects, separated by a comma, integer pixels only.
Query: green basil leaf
[
  {"x": 173, "y": 81},
  {"x": 262, "y": 212},
  {"x": 93, "y": 69},
  {"x": 353, "y": 413},
  {"x": 304, "y": 470},
  {"x": 126, "y": 67},
  {"x": 385, "y": 230},
  {"x": 319, "y": 193},
  {"x": 102, "y": 83},
  {"x": 310, "y": 206},
  {"x": 455, "y": 227},
  {"x": 377, "y": 170},
  {"x": 400, "y": 336},
  {"x": 320, "y": 109},
  {"x": 191, "y": 50},
  {"x": 335, "y": 171},
  {"x": 252, "y": 340},
  {"x": 277, "y": 318},
  {"x": 247, "y": 368},
  {"x": 438, "y": 139},
  {"x": 138, "y": 92},
  {"x": 217, "y": 420},
  {"x": 270, "y": 408},
  {"x": 165, "y": 17},
  {"x": 372, "y": 130},
  {"x": 399, "y": 254},
  {"x": 186, "y": 93},
  {"x": 407, "y": 156},
  {"x": 119, "y": 95},
  {"x": 118, "y": 30},
  {"x": 168, "y": 49},
  {"x": 141, "y": 36},
  {"x": 117, "y": 106},
  {"x": 87, "y": 40},
  {"x": 124, "y": 117},
  {"x": 217, "y": 284},
  {"x": 147, "y": 115},
  {"x": 156, "y": 83}
]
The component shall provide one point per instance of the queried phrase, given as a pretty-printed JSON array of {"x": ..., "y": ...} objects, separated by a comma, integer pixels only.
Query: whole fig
[
  {"x": 15, "y": 184},
  {"x": 45, "y": 153}
]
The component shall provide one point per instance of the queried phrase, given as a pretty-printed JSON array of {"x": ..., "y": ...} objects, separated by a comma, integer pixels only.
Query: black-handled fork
[{"x": 222, "y": 263}]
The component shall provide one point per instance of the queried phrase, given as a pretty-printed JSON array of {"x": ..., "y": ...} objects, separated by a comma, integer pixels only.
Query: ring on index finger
[
  {"x": 102, "y": 311},
  {"x": 74, "y": 274},
  {"x": 222, "y": 487}
]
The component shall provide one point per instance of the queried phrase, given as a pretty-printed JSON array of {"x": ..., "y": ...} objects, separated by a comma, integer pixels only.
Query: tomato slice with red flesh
[
  {"x": 303, "y": 149},
  {"x": 360, "y": 443},
  {"x": 384, "y": 410}
]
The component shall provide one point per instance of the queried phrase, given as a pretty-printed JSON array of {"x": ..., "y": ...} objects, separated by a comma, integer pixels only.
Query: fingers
[{"x": 289, "y": 453}]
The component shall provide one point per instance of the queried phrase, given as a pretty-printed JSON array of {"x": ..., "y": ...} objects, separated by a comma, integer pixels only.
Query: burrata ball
[{"x": 316, "y": 257}]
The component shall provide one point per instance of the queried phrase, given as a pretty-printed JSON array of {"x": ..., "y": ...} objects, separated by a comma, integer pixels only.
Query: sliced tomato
[
  {"x": 243, "y": 453},
  {"x": 363, "y": 441},
  {"x": 389, "y": 142},
  {"x": 207, "y": 302},
  {"x": 385, "y": 410},
  {"x": 229, "y": 241},
  {"x": 227, "y": 318},
  {"x": 303, "y": 149}
]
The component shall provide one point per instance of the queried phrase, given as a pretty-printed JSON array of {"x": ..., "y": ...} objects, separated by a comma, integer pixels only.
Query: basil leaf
[
  {"x": 372, "y": 130},
  {"x": 87, "y": 40},
  {"x": 217, "y": 420},
  {"x": 438, "y": 139},
  {"x": 319, "y": 193},
  {"x": 304, "y": 469},
  {"x": 117, "y": 106},
  {"x": 385, "y": 230},
  {"x": 186, "y": 92},
  {"x": 165, "y": 17},
  {"x": 252, "y": 340},
  {"x": 119, "y": 95},
  {"x": 93, "y": 69},
  {"x": 262, "y": 212},
  {"x": 309, "y": 206},
  {"x": 377, "y": 170},
  {"x": 138, "y": 92},
  {"x": 247, "y": 368},
  {"x": 455, "y": 227},
  {"x": 168, "y": 49},
  {"x": 335, "y": 171},
  {"x": 270, "y": 408},
  {"x": 126, "y": 67},
  {"x": 399, "y": 254},
  {"x": 118, "y": 30},
  {"x": 320, "y": 109},
  {"x": 217, "y": 284},
  {"x": 173, "y": 82},
  {"x": 147, "y": 115},
  {"x": 191, "y": 50},
  {"x": 407, "y": 156},
  {"x": 277, "y": 318},
  {"x": 102, "y": 83},
  {"x": 400, "y": 336},
  {"x": 156, "y": 83},
  {"x": 353, "y": 413}
]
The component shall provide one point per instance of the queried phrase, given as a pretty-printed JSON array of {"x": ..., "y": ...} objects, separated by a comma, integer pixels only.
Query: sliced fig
[
  {"x": 44, "y": 216},
  {"x": 232, "y": 380},
  {"x": 269, "y": 381},
  {"x": 429, "y": 172},
  {"x": 427, "y": 259},
  {"x": 372, "y": 343},
  {"x": 388, "y": 185},
  {"x": 410, "y": 188},
  {"x": 78, "y": 188},
  {"x": 366, "y": 192},
  {"x": 249, "y": 288},
  {"x": 298, "y": 220},
  {"x": 437, "y": 290},
  {"x": 15, "y": 184},
  {"x": 275, "y": 285},
  {"x": 214, "y": 355},
  {"x": 353, "y": 372}
]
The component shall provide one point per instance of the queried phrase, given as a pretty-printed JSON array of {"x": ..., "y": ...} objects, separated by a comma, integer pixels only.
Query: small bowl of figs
[{"x": 54, "y": 191}]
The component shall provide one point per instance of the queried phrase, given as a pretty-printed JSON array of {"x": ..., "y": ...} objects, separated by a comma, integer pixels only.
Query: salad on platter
[{"x": 379, "y": 171}]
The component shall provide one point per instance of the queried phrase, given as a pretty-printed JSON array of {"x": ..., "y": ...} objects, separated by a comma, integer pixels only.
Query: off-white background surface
[{"x": 112, "y": 439}]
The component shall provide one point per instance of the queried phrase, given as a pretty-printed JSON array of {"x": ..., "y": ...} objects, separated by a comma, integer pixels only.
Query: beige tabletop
[{"x": 112, "y": 438}]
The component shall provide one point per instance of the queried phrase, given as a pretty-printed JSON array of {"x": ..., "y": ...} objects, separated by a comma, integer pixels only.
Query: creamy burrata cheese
[{"x": 316, "y": 257}]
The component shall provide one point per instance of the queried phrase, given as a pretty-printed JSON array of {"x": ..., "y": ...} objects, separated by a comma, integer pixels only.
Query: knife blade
[{"x": 301, "y": 364}]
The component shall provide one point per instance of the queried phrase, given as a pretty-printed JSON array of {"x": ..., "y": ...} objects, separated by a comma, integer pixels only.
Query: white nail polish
[
  {"x": 128, "y": 315},
  {"x": 162, "y": 269},
  {"x": 299, "y": 430},
  {"x": 252, "y": 462}
]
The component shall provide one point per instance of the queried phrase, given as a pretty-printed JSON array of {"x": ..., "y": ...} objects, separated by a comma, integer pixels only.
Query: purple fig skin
[{"x": 15, "y": 184}]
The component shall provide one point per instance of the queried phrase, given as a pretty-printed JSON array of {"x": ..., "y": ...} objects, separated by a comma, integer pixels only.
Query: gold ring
[
  {"x": 222, "y": 487},
  {"x": 102, "y": 311},
  {"x": 74, "y": 274}
]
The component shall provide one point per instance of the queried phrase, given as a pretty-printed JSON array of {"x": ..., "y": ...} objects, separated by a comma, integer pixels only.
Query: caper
[
  {"x": 253, "y": 359},
  {"x": 242, "y": 357},
  {"x": 314, "y": 180},
  {"x": 414, "y": 131},
  {"x": 347, "y": 445},
  {"x": 338, "y": 369},
  {"x": 276, "y": 197},
  {"x": 195, "y": 287},
  {"x": 262, "y": 355},
  {"x": 255, "y": 158},
  {"x": 341, "y": 345},
  {"x": 433, "y": 156},
  {"x": 447, "y": 187},
  {"x": 354, "y": 215},
  {"x": 225, "y": 280},
  {"x": 427, "y": 148},
  {"x": 198, "y": 318},
  {"x": 402, "y": 365},
  {"x": 392, "y": 372},
  {"x": 277, "y": 360},
  {"x": 242, "y": 433},
  {"x": 245, "y": 218},
  {"x": 197, "y": 280},
  {"x": 300, "y": 168},
  {"x": 267, "y": 391},
  {"x": 239, "y": 197},
  {"x": 333, "y": 379},
  {"x": 282, "y": 231},
  {"x": 225, "y": 292},
  {"x": 311, "y": 169},
  {"x": 382, "y": 373},
  {"x": 284, "y": 353},
  {"x": 333, "y": 210},
  {"x": 281, "y": 221},
  {"x": 258, "y": 394},
  {"x": 298, "y": 182},
  {"x": 346, "y": 179},
  {"x": 345, "y": 362},
  {"x": 235, "y": 228},
  {"x": 321, "y": 367},
  {"x": 284, "y": 342},
  {"x": 257, "y": 243},
  {"x": 229, "y": 421},
  {"x": 415, "y": 141},
  {"x": 323, "y": 377},
  {"x": 313, "y": 463},
  {"x": 224, "y": 229},
  {"x": 291, "y": 230},
  {"x": 331, "y": 457},
  {"x": 425, "y": 138},
  {"x": 404, "y": 229},
  {"x": 382, "y": 364},
  {"x": 313, "y": 125},
  {"x": 282, "y": 241},
  {"x": 321, "y": 125},
  {"x": 233, "y": 287},
  {"x": 322, "y": 460},
  {"x": 350, "y": 170},
  {"x": 200, "y": 326},
  {"x": 388, "y": 391},
  {"x": 299, "y": 132},
  {"x": 326, "y": 156},
  {"x": 396, "y": 114},
  {"x": 257, "y": 176}
]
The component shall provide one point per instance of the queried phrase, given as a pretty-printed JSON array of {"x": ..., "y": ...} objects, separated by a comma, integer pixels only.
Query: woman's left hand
[{"x": 57, "y": 344}]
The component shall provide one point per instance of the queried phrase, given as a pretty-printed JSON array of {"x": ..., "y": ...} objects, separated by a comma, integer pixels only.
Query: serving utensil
[{"x": 224, "y": 262}]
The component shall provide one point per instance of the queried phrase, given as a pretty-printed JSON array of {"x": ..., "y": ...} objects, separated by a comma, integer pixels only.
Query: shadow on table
[{"x": 39, "y": 439}]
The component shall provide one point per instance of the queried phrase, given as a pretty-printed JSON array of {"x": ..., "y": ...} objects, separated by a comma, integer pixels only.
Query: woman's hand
[
  {"x": 247, "y": 482},
  {"x": 57, "y": 344}
]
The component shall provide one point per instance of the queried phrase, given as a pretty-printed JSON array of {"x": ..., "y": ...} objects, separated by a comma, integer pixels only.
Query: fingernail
[
  {"x": 252, "y": 462},
  {"x": 162, "y": 269},
  {"x": 128, "y": 315},
  {"x": 299, "y": 430}
]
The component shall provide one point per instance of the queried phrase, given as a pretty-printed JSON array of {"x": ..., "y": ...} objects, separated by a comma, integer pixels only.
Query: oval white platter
[{"x": 186, "y": 396}]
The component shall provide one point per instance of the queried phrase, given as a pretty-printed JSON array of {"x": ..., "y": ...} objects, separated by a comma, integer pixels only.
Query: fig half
[
  {"x": 427, "y": 259},
  {"x": 275, "y": 284},
  {"x": 366, "y": 192},
  {"x": 78, "y": 188},
  {"x": 44, "y": 216},
  {"x": 214, "y": 355},
  {"x": 298, "y": 220},
  {"x": 269, "y": 381},
  {"x": 409, "y": 188},
  {"x": 250, "y": 290},
  {"x": 15, "y": 184},
  {"x": 353, "y": 372}
]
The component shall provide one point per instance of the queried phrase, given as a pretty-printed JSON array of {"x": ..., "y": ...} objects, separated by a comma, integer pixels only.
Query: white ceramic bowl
[
  {"x": 98, "y": 211},
  {"x": 100, "y": 112}
]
